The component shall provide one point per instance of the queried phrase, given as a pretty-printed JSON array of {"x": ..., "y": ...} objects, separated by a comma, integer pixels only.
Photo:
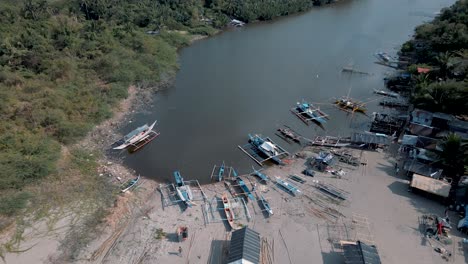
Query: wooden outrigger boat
[
  {"x": 297, "y": 179},
  {"x": 308, "y": 112},
  {"x": 288, "y": 186},
  {"x": 266, "y": 205},
  {"x": 328, "y": 141},
  {"x": 228, "y": 211},
  {"x": 385, "y": 93},
  {"x": 246, "y": 189},
  {"x": 136, "y": 136},
  {"x": 288, "y": 134},
  {"x": 183, "y": 191},
  {"x": 267, "y": 147},
  {"x": 130, "y": 184},
  {"x": 347, "y": 104},
  {"x": 221, "y": 172},
  {"x": 262, "y": 176}
]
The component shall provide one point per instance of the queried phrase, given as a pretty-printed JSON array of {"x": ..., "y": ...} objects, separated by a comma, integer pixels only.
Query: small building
[
  {"x": 370, "y": 138},
  {"x": 413, "y": 166},
  {"x": 244, "y": 247},
  {"x": 360, "y": 253},
  {"x": 430, "y": 185}
]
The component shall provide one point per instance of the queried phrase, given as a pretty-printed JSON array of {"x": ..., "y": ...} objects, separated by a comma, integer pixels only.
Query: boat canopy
[
  {"x": 135, "y": 132},
  {"x": 268, "y": 146}
]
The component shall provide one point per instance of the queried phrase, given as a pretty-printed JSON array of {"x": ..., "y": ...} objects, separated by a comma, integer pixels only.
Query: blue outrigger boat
[
  {"x": 310, "y": 112},
  {"x": 288, "y": 186},
  {"x": 183, "y": 191},
  {"x": 266, "y": 205},
  {"x": 262, "y": 176},
  {"x": 130, "y": 184},
  {"x": 221, "y": 172},
  {"x": 266, "y": 147},
  {"x": 245, "y": 188}
]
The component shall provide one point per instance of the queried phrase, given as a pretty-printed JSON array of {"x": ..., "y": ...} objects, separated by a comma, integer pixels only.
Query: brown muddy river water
[{"x": 246, "y": 80}]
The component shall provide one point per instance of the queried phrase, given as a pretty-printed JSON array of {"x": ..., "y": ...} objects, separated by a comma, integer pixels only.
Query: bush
[{"x": 11, "y": 205}]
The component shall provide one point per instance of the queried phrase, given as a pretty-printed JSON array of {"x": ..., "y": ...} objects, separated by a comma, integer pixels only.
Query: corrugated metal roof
[
  {"x": 370, "y": 138},
  {"x": 431, "y": 185},
  {"x": 421, "y": 117},
  {"x": 360, "y": 253},
  {"x": 245, "y": 244}
]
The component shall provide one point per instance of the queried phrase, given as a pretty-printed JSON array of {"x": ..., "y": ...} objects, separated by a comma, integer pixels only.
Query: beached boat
[
  {"x": 228, "y": 211},
  {"x": 288, "y": 186},
  {"x": 266, "y": 205},
  {"x": 287, "y": 133},
  {"x": 328, "y": 141},
  {"x": 244, "y": 188},
  {"x": 221, "y": 172},
  {"x": 348, "y": 104},
  {"x": 130, "y": 184},
  {"x": 385, "y": 93},
  {"x": 262, "y": 176},
  {"x": 297, "y": 179},
  {"x": 265, "y": 146},
  {"x": 310, "y": 112},
  {"x": 136, "y": 136},
  {"x": 183, "y": 191}
]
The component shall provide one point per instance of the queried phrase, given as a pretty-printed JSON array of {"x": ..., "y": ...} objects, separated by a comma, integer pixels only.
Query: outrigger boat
[
  {"x": 245, "y": 188},
  {"x": 310, "y": 112},
  {"x": 385, "y": 93},
  {"x": 137, "y": 135},
  {"x": 287, "y": 133},
  {"x": 183, "y": 191},
  {"x": 383, "y": 56},
  {"x": 130, "y": 184},
  {"x": 228, "y": 211},
  {"x": 221, "y": 172},
  {"x": 266, "y": 147},
  {"x": 262, "y": 176},
  {"x": 347, "y": 104},
  {"x": 266, "y": 205},
  {"x": 288, "y": 186}
]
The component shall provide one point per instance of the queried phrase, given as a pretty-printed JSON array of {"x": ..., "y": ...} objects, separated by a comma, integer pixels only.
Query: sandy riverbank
[{"x": 379, "y": 210}]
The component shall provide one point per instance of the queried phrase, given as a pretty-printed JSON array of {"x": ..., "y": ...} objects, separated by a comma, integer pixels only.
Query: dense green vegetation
[
  {"x": 65, "y": 63},
  {"x": 441, "y": 45}
]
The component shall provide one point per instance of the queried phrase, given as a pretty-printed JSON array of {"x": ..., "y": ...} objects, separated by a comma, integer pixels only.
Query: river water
[{"x": 246, "y": 80}]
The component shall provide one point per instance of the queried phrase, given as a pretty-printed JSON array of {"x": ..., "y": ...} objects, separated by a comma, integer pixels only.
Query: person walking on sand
[{"x": 180, "y": 251}]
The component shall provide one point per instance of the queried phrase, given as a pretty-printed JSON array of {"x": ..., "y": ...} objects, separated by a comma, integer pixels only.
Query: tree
[{"x": 453, "y": 156}]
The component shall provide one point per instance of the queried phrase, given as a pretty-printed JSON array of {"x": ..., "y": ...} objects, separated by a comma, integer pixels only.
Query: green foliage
[
  {"x": 25, "y": 157},
  {"x": 441, "y": 45},
  {"x": 10, "y": 205},
  {"x": 453, "y": 156},
  {"x": 65, "y": 64}
]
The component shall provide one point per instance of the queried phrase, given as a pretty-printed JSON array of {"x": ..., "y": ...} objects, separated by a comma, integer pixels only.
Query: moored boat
[
  {"x": 137, "y": 135},
  {"x": 130, "y": 184},
  {"x": 348, "y": 104},
  {"x": 228, "y": 210},
  {"x": 183, "y": 191},
  {"x": 221, "y": 172},
  {"x": 262, "y": 176},
  {"x": 246, "y": 189},
  {"x": 266, "y": 205},
  {"x": 266, "y": 147},
  {"x": 289, "y": 134},
  {"x": 288, "y": 186},
  {"x": 385, "y": 93},
  {"x": 311, "y": 112}
]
